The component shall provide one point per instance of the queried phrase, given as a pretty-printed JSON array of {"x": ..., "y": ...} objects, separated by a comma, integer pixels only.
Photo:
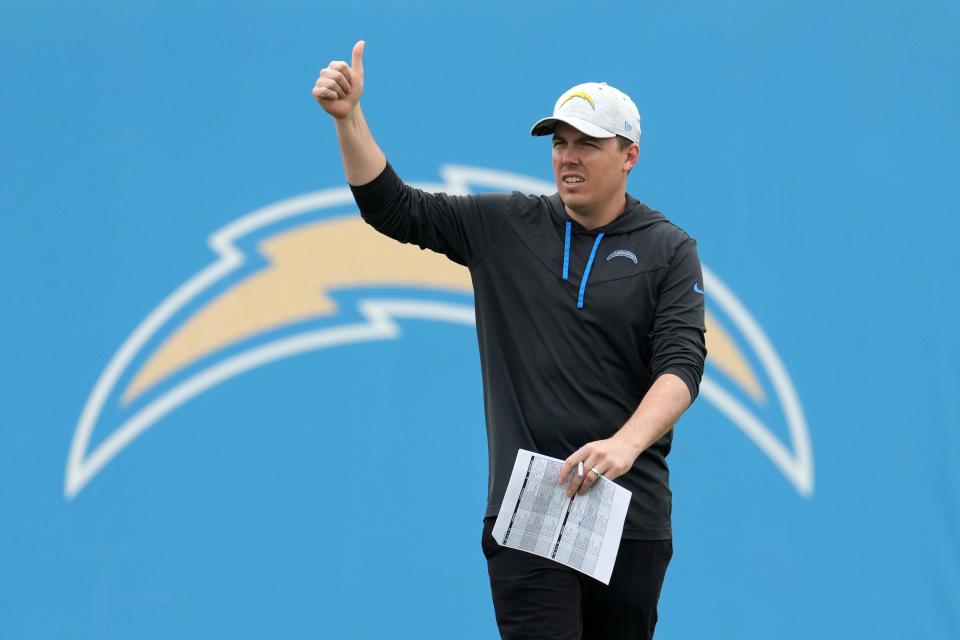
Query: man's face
[{"x": 590, "y": 172}]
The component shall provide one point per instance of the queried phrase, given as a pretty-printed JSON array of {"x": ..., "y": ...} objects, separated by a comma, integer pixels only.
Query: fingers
[
  {"x": 329, "y": 88},
  {"x": 576, "y": 480},
  {"x": 576, "y": 484},
  {"x": 597, "y": 461},
  {"x": 358, "y": 55},
  {"x": 591, "y": 473},
  {"x": 569, "y": 465},
  {"x": 590, "y": 477},
  {"x": 338, "y": 80},
  {"x": 324, "y": 93},
  {"x": 338, "y": 75},
  {"x": 345, "y": 74}
]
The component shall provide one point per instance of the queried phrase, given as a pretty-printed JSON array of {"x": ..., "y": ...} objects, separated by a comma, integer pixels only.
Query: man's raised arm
[
  {"x": 460, "y": 227},
  {"x": 338, "y": 90}
]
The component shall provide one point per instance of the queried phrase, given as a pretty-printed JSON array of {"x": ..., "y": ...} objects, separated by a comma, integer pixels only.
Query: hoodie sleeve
[
  {"x": 677, "y": 340},
  {"x": 460, "y": 227}
]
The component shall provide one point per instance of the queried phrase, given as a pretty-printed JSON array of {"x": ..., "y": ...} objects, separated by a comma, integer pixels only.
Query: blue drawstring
[
  {"x": 586, "y": 272},
  {"x": 566, "y": 262}
]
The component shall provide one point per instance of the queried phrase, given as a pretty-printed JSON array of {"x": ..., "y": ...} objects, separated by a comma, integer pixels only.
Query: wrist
[
  {"x": 630, "y": 440},
  {"x": 350, "y": 118}
]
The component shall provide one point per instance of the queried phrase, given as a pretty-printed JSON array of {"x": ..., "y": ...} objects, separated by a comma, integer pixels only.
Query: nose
[{"x": 568, "y": 155}]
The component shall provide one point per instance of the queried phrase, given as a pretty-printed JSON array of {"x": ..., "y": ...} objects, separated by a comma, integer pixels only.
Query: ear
[{"x": 633, "y": 154}]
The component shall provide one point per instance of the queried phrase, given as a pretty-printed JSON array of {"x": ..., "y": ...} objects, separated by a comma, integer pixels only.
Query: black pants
[{"x": 538, "y": 598}]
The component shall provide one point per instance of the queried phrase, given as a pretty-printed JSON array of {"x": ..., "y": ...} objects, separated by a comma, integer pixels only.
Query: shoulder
[
  {"x": 660, "y": 239},
  {"x": 497, "y": 200},
  {"x": 665, "y": 231},
  {"x": 514, "y": 205},
  {"x": 665, "y": 227}
]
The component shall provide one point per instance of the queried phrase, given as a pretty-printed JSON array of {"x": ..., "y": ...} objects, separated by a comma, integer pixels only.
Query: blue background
[{"x": 809, "y": 146}]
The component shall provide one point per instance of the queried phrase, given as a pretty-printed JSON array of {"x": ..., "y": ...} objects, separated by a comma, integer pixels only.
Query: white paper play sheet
[{"x": 582, "y": 532}]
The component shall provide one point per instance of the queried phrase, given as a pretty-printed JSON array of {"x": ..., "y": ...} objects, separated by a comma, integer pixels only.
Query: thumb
[{"x": 358, "y": 56}]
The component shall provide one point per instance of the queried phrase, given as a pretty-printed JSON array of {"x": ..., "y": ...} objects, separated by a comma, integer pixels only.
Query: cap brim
[{"x": 546, "y": 126}]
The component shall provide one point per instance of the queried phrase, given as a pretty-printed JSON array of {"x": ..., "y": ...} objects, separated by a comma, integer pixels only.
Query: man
[{"x": 589, "y": 312}]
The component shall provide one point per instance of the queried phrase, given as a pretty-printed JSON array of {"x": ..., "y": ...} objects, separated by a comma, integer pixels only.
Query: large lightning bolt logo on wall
[{"x": 271, "y": 294}]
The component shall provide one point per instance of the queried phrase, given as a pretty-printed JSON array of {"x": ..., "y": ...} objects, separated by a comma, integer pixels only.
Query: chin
[
  {"x": 573, "y": 200},
  {"x": 565, "y": 190}
]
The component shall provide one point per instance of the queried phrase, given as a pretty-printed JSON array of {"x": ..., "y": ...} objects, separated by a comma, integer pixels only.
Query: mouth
[{"x": 571, "y": 179}]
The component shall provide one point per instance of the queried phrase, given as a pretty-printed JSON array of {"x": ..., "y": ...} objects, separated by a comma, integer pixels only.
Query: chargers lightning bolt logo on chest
[{"x": 623, "y": 253}]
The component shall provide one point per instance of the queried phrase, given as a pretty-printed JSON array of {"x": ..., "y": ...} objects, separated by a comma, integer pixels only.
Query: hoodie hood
[{"x": 635, "y": 216}]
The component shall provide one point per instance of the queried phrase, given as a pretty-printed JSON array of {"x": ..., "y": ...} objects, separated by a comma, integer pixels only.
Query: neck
[{"x": 599, "y": 216}]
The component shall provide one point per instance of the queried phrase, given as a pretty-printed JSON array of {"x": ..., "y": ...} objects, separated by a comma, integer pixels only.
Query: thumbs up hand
[{"x": 339, "y": 87}]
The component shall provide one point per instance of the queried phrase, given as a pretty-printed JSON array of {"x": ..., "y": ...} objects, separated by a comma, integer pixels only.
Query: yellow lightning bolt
[
  {"x": 726, "y": 356},
  {"x": 580, "y": 94},
  {"x": 306, "y": 263}
]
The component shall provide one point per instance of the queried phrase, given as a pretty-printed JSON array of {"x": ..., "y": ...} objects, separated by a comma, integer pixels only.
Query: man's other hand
[
  {"x": 610, "y": 458},
  {"x": 339, "y": 87}
]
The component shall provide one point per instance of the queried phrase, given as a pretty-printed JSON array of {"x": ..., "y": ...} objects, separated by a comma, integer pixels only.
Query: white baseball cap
[{"x": 596, "y": 109}]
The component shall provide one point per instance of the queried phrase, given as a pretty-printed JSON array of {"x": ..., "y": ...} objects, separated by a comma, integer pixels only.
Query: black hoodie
[{"x": 565, "y": 358}]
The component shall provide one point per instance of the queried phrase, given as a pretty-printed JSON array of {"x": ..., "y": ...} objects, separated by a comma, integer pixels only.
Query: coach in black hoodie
[{"x": 589, "y": 310}]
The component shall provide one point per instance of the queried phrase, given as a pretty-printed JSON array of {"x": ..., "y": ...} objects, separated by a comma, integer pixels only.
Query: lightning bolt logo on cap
[{"x": 579, "y": 94}]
